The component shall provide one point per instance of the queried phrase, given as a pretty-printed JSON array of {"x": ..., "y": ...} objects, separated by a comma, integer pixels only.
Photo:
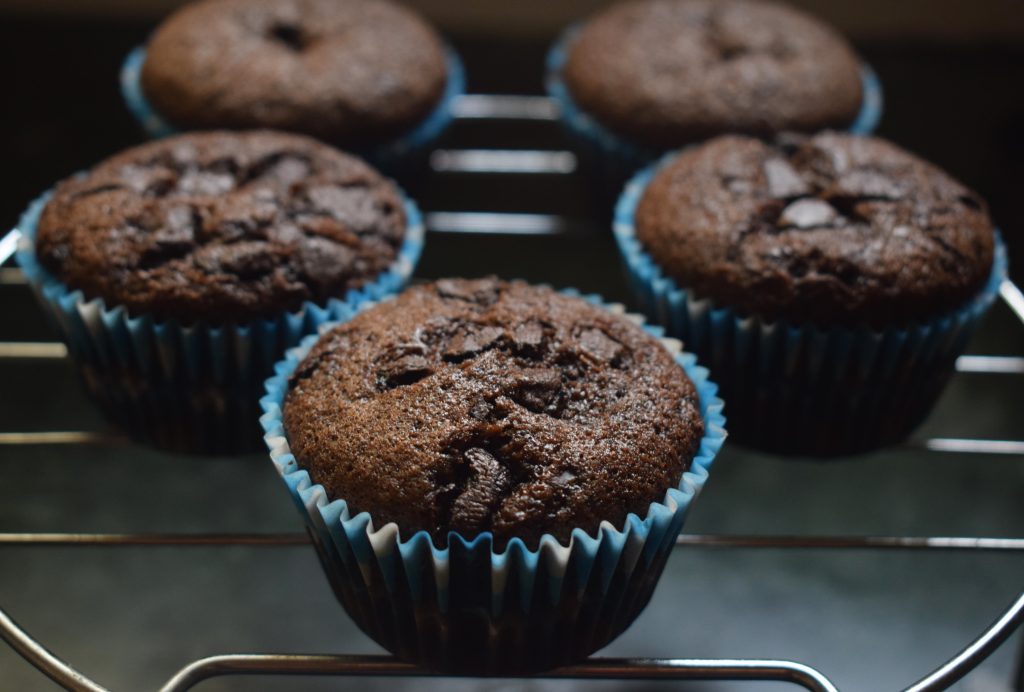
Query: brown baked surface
[
  {"x": 350, "y": 72},
  {"x": 832, "y": 229},
  {"x": 671, "y": 72},
  {"x": 474, "y": 406},
  {"x": 222, "y": 227}
]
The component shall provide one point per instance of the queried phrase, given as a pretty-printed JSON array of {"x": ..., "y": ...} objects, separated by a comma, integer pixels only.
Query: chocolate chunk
[
  {"x": 284, "y": 169},
  {"x": 150, "y": 180},
  {"x": 807, "y": 213},
  {"x": 328, "y": 227},
  {"x": 321, "y": 262},
  {"x": 866, "y": 184},
  {"x": 180, "y": 228},
  {"x": 482, "y": 292},
  {"x": 528, "y": 337},
  {"x": 481, "y": 410},
  {"x": 350, "y": 206},
  {"x": 488, "y": 482},
  {"x": 404, "y": 370},
  {"x": 537, "y": 389},
  {"x": 599, "y": 345},
  {"x": 783, "y": 180},
  {"x": 247, "y": 260},
  {"x": 472, "y": 341},
  {"x": 205, "y": 183}
]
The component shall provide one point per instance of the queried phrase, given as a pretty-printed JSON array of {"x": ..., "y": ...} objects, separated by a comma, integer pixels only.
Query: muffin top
[
  {"x": 351, "y": 72},
  {"x": 221, "y": 227},
  {"x": 832, "y": 229},
  {"x": 474, "y": 406},
  {"x": 669, "y": 72}
]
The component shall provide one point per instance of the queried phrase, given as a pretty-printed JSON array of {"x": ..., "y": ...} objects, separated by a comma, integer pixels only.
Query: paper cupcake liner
[
  {"x": 188, "y": 387},
  {"x": 396, "y": 157},
  {"x": 612, "y": 158},
  {"x": 467, "y": 608},
  {"x": 802, "y": 389}
]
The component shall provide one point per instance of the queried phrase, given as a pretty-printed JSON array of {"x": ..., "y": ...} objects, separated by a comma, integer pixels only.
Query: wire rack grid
[{"x": 499, "y": 109}]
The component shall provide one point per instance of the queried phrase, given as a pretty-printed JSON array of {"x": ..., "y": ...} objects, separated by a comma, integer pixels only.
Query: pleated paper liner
[{"x": 467, "y": 608}]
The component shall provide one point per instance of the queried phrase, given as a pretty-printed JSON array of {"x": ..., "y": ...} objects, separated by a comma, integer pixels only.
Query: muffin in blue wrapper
[
  {"x": 477, "y": 606},
  {"x": 190, "y": 386},
  {"x": 801, "y": 388},
  {"x": 612, "y": 157},
  {"x": 400, "y": 157}
]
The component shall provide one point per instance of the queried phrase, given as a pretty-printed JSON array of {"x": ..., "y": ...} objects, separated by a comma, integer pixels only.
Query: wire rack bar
[
  {"x": 61, "y": 437},
  {"x": 39, "y": 656},
  {"x": 504, "y": 107},
  {"x": 8, "y": 244},
  {"x": 1012, "y": 296},
  {"x": 503, "y": 161},
  {"x": 974, "y": 653},
  {"x": 34, "y": 350},
  {"x": 12, "y": 276},
  {"x": 270, "y": 540},
  {"x": 595, "y": 668},
  {"x": 991, "y": 365},
  {"x": 993, "y": 448},
  {"x": 500, "y": 223},
  {"x": 387, "y": 666},
  {"x": 957, "y": 445}
]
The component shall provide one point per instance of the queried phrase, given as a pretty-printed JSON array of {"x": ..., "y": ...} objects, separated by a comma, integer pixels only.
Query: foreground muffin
[
  {"x": 200, "y": 258},
  {"x": 657, "y": 74},
  {"x": 356, "y": 73},
  {"x": 832, "y": 280},
  {"x": 476, "y": 422}
]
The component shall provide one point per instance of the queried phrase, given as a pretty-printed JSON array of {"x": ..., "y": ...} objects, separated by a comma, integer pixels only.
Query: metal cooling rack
[{"x": 522, "y": 162}]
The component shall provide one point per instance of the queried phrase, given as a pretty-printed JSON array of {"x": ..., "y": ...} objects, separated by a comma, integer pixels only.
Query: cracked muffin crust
[
  {"x": 474, "y": 406},
  {"x": 829, "y": 230},
  {"x": 669, "y": 72},
  {"x": 221, "y": 227},
  {"x": 351, "y": 72}
]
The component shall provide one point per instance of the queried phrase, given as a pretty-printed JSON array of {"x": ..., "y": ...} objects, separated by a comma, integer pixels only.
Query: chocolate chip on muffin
[
  {"x": 670, "y": 72},
  {"x": 829, "y": 230},
  {"x": 222, "y": 227},
  {"x": 351, "y": 72},
  {"x": 474, "y": 406}
]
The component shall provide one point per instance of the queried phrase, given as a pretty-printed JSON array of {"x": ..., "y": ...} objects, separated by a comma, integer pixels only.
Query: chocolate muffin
[
  {"x": 222, "y": 227},
  {"x": 668, "y": 72},
  {"x": 472, "y": 406},
  {"x": 828, "y": 230},
  {"x": 351, "y": 72}
]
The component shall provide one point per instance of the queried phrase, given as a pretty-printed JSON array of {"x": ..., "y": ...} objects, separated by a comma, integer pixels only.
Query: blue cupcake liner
[
  {"x": 188, "y": 387},
  {"x": 465, "y": 607},
  {"x": 397, "y": 156},
  {"x": 803, "y": 389},
  {"x": 614, "y": 158}
]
